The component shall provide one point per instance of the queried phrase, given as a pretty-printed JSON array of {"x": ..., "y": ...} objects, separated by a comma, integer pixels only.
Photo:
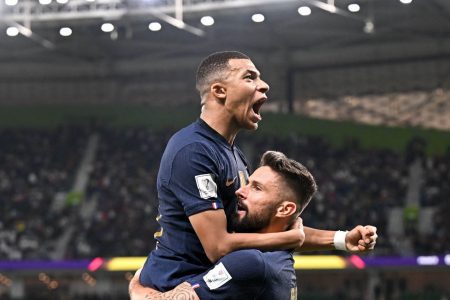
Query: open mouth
[
  {"x": 256, "y": 107},
  {"x": 241, "y": 207}
]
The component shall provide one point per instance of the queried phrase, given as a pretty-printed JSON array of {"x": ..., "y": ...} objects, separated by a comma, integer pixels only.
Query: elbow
[
  {"x": 217, "y": 252},
  {"x": 213, "y": 256}
]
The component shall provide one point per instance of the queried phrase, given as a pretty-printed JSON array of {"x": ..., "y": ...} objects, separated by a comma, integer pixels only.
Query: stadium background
[{"x": 362, "y": 98}]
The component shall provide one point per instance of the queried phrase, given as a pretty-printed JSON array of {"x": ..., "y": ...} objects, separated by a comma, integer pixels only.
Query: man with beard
[
  {"x": 277, "y": 192},
  {"x": 200, "y": 171}
]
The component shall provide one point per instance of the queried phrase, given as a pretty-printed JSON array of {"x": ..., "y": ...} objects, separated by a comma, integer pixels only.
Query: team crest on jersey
[
  {"x": 206, "y": 186},
  {"x": 217, "y": 277}
]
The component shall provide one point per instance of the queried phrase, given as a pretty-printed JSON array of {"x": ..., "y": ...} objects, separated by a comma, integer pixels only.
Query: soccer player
[
  {"x": 277, "y": 192},
  {"x": 200, "y": 171}
]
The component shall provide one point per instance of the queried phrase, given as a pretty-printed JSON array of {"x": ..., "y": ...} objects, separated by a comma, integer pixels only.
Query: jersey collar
[{"x": 214, "y": 134}]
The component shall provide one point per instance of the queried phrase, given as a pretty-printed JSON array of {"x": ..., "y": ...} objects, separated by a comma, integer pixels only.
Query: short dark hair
[
  {"x": 296, "y": 176},
  {"x": 213, "y": 67}
]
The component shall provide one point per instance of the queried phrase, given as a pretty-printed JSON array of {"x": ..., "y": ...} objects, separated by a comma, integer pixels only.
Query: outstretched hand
[{"x": 361, "y": 238}]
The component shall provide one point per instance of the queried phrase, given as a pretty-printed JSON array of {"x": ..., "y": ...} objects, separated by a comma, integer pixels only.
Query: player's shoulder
[
  {"x": 246, "y": 263},
  {"x": 192, "y": 138},
  {"x": 252, "y": 254}
]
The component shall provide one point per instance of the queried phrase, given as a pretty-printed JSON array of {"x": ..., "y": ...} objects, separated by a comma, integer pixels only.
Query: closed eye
[{"x": 257, "y": 187}]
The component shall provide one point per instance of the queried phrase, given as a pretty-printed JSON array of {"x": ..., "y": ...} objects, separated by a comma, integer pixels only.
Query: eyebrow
[
  {"x": 256, "y": 182},
  {"x": 253, "y": 72}
]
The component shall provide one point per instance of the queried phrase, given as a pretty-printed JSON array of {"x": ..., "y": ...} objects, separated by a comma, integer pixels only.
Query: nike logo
[{"x": 230, "y": 181}]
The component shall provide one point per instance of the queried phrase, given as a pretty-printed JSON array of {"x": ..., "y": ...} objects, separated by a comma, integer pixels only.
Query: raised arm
[
  {"x": 211, "y": 228},
  {"x": 359, "y": 239}
]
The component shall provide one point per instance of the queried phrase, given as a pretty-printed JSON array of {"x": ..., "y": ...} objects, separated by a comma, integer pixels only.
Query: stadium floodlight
[
  {"x": 154, "y": 26},
  {"x": 62, "y": 1},
  {"x": 304, "y": 10},
  {"x": 207, "y": 20},
  {"x": 12, "y": 31},
  {"x": 353, "y": 7},
  {"x": 406, "y": 1},
  {"x": 65, "y": 31},
  {"x": 258, "y": 18},
  {"x": 107, "y": 27},
  {"x": 45, "y": 2},
  {"x": 11, "y": 2}
]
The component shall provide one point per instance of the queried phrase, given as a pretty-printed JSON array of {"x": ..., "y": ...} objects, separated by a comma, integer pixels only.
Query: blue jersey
[
  {"x": 249, "y": 274},
  {"x": 199, "y": 171}
]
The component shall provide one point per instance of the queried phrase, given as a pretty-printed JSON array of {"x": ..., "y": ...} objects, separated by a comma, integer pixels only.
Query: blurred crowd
[
  {"x": 123, "y": 184},
  {"x": 38, "y": 167}
]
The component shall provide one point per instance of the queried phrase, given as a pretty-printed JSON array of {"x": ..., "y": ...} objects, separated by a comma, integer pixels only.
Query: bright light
[
  {"x": 107, "y": 27},
  {"x": 12, "y": 31},
  {"x": 353, "y": 7},
  {"x": 154, "y": 26},
  {"x": 90, "y": 0},
  {"x": 447, "y": 259},
  {"x": 65, "y": 31},
  {"x": 406, "y": 1},
  {"x": 11, "y": 2},
  {"x": 45, "y": 2},
  {"x": 207, "y": 20},
  {"x": 62, "y": 1},
  {"x": 304, "y": 11},
  {"x": 258, "y": 18},
  {"x": 431, "y": 260}
]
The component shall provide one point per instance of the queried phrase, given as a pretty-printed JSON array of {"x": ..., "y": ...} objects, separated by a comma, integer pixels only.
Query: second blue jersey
[
  {"x": 199, "y": 171},
  {"x": 250, "y": 275}
]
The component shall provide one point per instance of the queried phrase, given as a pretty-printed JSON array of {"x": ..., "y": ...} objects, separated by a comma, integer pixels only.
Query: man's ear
[
  {"x": 286, "y": 209},
  {"x": 219, "y": 91}
]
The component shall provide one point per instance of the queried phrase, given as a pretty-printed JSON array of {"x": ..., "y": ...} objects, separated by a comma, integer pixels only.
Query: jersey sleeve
[
  {"x": 238, "y": 275},
  {"x": 194, "y": 179}
]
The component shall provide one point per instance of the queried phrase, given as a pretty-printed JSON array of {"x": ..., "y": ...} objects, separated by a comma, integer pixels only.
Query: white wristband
[{"x": 339, "y": 240}]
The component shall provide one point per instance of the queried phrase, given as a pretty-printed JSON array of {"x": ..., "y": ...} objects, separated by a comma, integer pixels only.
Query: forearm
[
  {"x": 183, "y": 291},
  {"x": 262, "y": 241},
  {"x": 316, "y": 239},
  {"x": 211, "y": 228}
]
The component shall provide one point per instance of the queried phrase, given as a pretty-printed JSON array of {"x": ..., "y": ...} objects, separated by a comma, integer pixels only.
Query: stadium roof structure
[{"x": 390, "y": 29}]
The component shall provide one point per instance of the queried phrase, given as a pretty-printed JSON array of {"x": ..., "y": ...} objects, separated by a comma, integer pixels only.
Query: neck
[
  {"x": 276, "y": 225},
  {"x": 218, "y": 121}
]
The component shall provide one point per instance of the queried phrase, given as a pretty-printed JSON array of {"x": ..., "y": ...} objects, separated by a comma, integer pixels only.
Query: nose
[
  {"x": 241, "y": 193},
  {"x": 263, "y": 87}
]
